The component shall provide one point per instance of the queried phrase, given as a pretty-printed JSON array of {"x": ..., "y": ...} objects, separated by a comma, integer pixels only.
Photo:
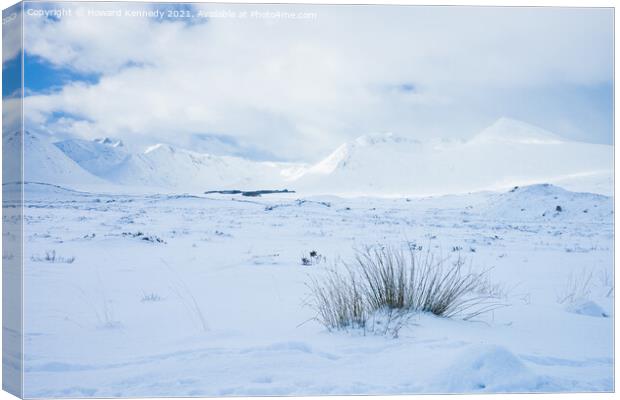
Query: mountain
[
  {"x": 507, "y": 130},
  {"x": 109, "y": 142},
  {"x": 44, "y": 162},
  {"x": 376, "y": 163},
  {"x": 166, "y": 166},
  {"x": 506, "y": 154},
  {"x": 350, "y": 155},
  {"x": 98, "y": 157}
]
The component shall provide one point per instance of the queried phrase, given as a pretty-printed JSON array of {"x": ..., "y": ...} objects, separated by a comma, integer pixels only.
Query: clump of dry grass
[
  {"x": 578, "y": 286},
  {"x": 384, "y": 279},
  {"x": 52, "y": 257},
  {"x": 339, "y": 300}
]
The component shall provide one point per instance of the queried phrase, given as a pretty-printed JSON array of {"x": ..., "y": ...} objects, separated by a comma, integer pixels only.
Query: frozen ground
[{"x": 205, "y": 295}]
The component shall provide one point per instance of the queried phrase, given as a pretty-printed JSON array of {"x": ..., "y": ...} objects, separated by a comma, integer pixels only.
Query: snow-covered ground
[{"x": 161, "y": 295}]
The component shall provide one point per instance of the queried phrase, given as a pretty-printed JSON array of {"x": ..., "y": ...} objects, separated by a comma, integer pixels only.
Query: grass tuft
[
  {"x": 52, "y": 257},
  {"x": 395, "y": 282}
]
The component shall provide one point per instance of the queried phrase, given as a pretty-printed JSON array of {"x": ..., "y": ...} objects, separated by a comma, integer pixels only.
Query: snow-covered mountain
[
  {"x": 166, "y": 166},
  {"x": 44, "y": 162},
  {"x": 507, "y": 130},
  {"x": 506, "y": 154},
  {"x": 98, "y": 156}
]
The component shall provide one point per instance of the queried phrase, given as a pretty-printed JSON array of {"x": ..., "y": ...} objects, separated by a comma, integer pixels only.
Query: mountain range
[{"x": 506, "y": 154}]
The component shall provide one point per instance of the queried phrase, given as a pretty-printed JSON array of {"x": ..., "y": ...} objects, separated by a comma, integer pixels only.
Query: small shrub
[
  {"x": 144, "y": 237},
  {"x": 52, "y": 257},
  {"x": 393, "y": 282},
  {"x": 101, "y": 305},
  {"x": 183, "y": 292},
  {"x": 582, "y": 286},
  {"x": 606, "y": 281},
  {"x": 313, "y": 258},
  {"x": 492, "y": 289},
  {"x": 578, "y": 286}
]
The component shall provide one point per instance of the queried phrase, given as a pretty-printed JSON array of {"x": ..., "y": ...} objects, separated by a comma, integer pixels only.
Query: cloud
[
  {"x": 11, "y": 34},
  {"x": 298, "y": 88}
]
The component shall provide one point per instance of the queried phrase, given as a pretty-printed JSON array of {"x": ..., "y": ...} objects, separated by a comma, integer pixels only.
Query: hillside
[{"x": 44, "y": 162}]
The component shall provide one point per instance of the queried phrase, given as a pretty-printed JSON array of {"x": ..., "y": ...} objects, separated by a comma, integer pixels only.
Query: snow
[
  {"x": 157, "y": 146},
  {"x": 205, "y": 295},
  {"x": 44, "y": 162},
  {"x": 97, "y": 157},
  {"x": 488, "y": 368},
  {"x": 586, "y": 307},
  {"x": 508, "y": 153},
  {"x": 137, "y": 283},
  {"x": 507, "y": 130},
  {"x": 550, "y": 202},
  {"x": 169, "y": 167}
]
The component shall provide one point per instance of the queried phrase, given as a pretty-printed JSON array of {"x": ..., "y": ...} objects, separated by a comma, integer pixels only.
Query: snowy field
[
  {"x": 164, "y": 295},
  {"x": 195, "y": 179}
]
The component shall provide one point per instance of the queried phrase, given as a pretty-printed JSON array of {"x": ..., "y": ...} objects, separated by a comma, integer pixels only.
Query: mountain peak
[
  {"x": 508, "y": 130},
  {"x": 109, "y": 142},
  {"x": 159, "y": 147},
  {"x": 359, "y": 149}
]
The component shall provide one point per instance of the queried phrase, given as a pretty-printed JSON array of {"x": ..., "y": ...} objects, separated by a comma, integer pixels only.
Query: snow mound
[
  {"x": 549, "y": 202},
  {"x": 587, "y": 307},
  {"x": 488, "y": 368}
]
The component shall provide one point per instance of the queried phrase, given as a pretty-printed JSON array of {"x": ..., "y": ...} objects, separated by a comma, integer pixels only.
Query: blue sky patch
[
  {"x": 11, "y": 77},
  {"x": 42, "y": 76}
]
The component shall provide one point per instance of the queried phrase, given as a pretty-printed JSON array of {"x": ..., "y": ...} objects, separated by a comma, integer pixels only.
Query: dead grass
[{"x": 388, "y": 280}]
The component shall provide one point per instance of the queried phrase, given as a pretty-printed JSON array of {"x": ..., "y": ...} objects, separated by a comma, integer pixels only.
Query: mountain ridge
[{"x": 507, "y": 153}]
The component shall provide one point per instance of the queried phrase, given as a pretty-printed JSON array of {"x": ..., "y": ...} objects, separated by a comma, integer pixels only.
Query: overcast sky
[{"x": 296, "y": 89}]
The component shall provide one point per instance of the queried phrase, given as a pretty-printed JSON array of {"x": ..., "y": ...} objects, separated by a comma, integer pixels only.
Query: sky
[{"x": 295, "y": 89}]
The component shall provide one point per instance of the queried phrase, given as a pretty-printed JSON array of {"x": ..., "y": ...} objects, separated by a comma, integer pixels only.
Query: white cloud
[
  {"x": 298, "y": 88},
  {"x": 11, "y": 33}
]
